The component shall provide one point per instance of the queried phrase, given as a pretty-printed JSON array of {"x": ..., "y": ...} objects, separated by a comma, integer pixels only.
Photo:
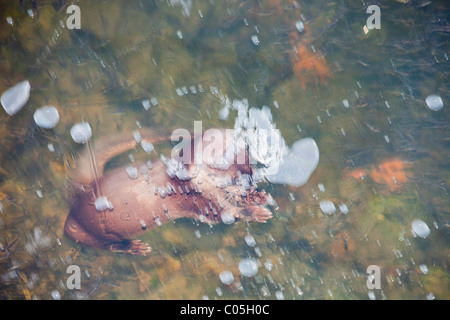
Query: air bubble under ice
[
  {"x": 248, "y": 267},
  {"x": 81, "y": 132},
  {"x": 16, "y": 97},
  {"x": 226, "y": 277},
  {"x": 46, "y": 117},
  {"x": 420, "y": 228},
  {"x": 434, "y": 102},
  {"x": 327, "y": 207}
]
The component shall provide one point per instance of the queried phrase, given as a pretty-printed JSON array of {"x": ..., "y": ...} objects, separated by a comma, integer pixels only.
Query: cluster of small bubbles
[
  {"x": 248, "y": 267},
  {"x": 226, "y": 277},
  {"x": 132, "y": 171},
  {"x": 327, "y": 207},
  {"x": 197, "y": 234},
  {"x": 178, "y": 169}
]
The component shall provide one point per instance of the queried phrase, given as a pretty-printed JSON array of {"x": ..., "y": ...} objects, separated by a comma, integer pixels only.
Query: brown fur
[{"x": 139, "y": 206}]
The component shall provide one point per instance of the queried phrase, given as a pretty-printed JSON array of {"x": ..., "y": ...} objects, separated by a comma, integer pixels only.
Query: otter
[{"x": 110, "y": 210}]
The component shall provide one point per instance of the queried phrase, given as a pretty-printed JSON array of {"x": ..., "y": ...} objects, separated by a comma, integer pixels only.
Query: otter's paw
[
  {"x": 133, "y": 247},
  {"x": 255, "y": 213}
]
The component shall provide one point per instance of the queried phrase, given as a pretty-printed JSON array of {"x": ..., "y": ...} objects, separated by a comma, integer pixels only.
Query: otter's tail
[{"x": 106, "y": 148}]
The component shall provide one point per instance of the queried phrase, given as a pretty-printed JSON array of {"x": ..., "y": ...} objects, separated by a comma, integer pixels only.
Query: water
[{"x": 383, "y": 144}]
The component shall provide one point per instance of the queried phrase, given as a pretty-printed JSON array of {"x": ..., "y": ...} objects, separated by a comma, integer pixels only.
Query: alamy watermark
[
  {"x": 74, "y": 280},
  {"x": 219, "y": 147},
  {"x": 74, "y": 20},
  {"x": 374, "y": 277},
  {"x": 374, "y": 20}
]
